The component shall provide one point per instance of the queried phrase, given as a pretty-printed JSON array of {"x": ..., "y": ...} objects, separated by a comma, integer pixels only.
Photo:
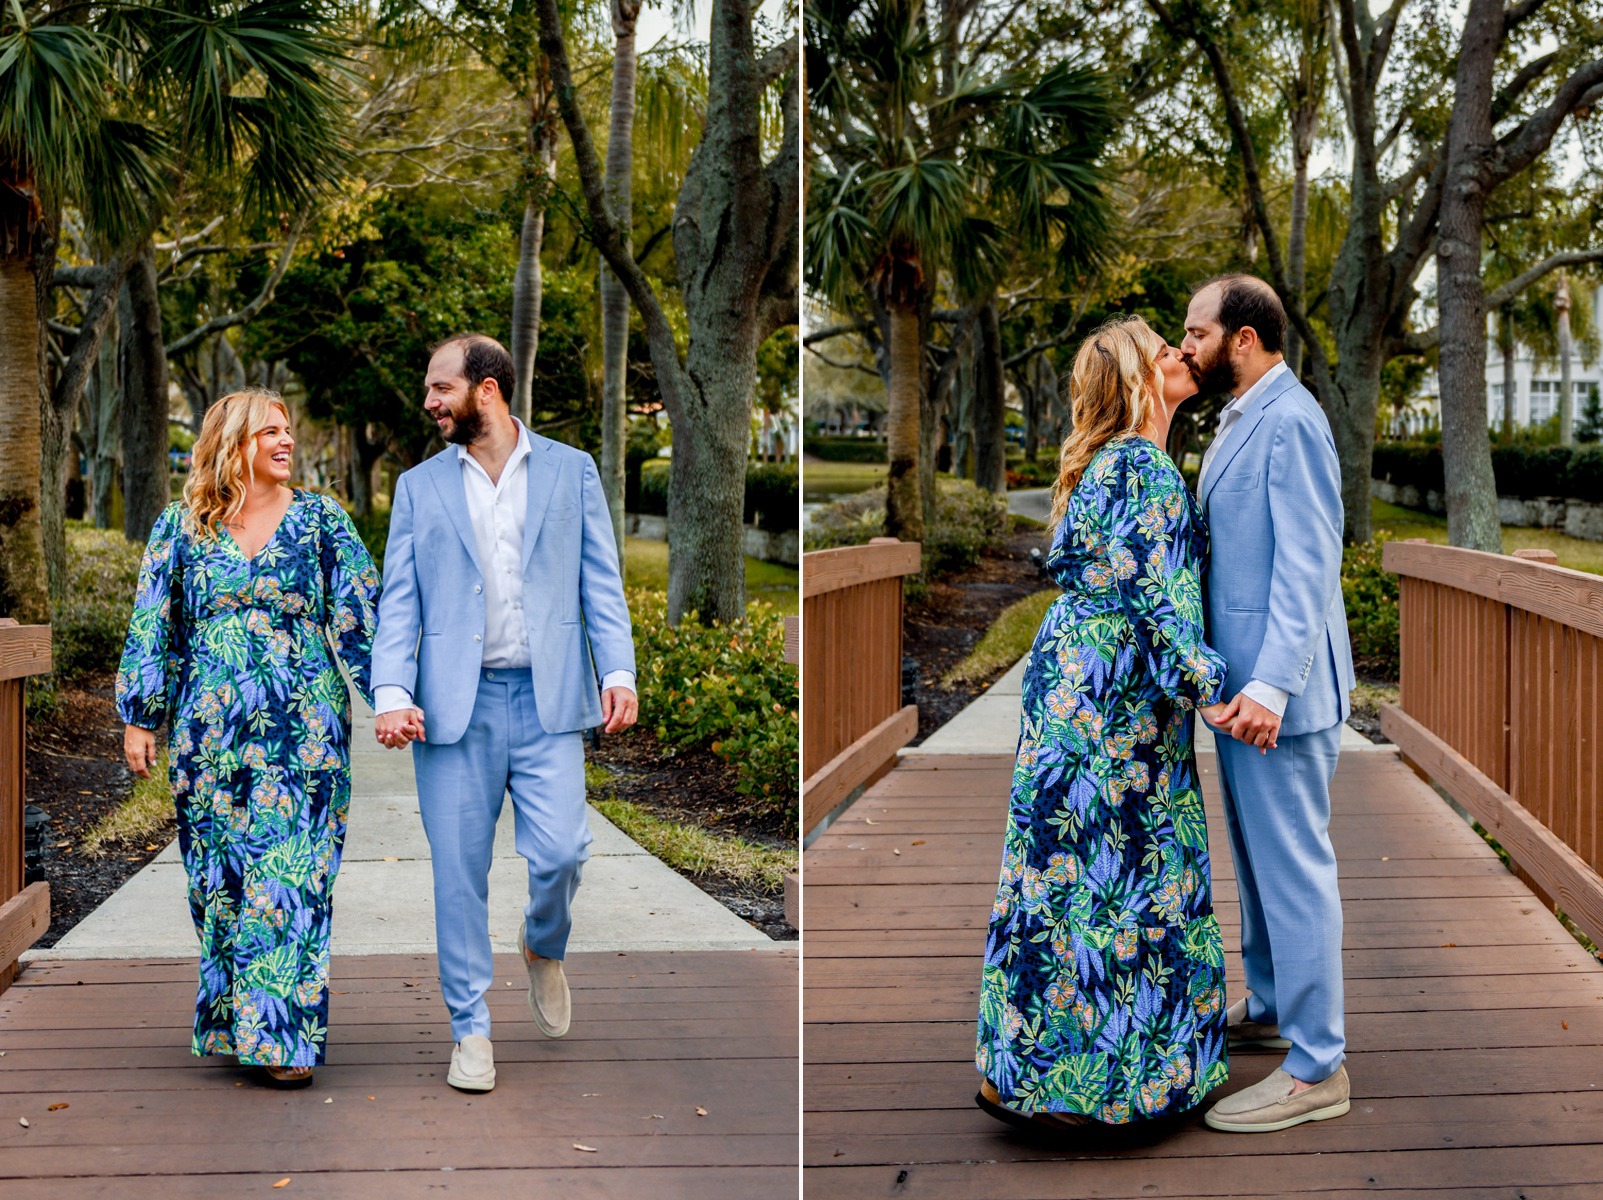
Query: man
[
  {"x": 1270, "y": 487},
  {"x": 502, "y": 604}
]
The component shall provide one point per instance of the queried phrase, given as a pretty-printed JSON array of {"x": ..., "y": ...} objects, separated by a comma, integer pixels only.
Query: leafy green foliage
[
  {"x": 726, "y": 687},
  {"x": 773, "y": 494},
  {"x": 1370, "y": 594},
  {"x": 846, "y": 449},
  {"x": 90, "y": 623},
  {"x": 1523, "y": 469}
]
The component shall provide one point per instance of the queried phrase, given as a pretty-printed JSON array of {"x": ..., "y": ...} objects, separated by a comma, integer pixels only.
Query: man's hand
[
  {"x": 1255, "y": 724},
  {"x": 1222, "y": 715},
  {"x": 397, "y": 729},
  {"x": 139, "y": 748},
  {"x": 619, "y": 708}
]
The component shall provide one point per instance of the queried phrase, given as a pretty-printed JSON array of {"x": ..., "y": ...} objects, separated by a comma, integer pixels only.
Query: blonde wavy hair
[
  {"x": 223, "y": 462},
  {"x": 1113, "y": 388}
]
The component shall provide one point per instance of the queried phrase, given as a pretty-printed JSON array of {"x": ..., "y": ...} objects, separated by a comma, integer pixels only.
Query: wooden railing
[
  {"x": 1501, "y": 705},
  {"x": 24, "y": 911},
  {"x": 852, "y": 669}
]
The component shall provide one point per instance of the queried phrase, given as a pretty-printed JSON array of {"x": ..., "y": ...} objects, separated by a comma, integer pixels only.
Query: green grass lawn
[
  {"x": 1007, "y": 641},
  {"x": 821, "y": 480},
  {"x": 1575, "y": 553},
  {"x": 645, "y": 565}
]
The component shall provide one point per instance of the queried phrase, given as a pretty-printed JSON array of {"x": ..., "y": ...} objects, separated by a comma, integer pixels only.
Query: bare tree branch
[
  {"x": 841, "y": 366},
  {"x": 1422, "y": 340},
  {"x": 249, "y": 311}
]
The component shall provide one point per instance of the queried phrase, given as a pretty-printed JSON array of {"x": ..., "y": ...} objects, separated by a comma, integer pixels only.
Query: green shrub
[
  {"x": 773, "y": 494},
  {"x": 1524, "y": 467},
  {"x": 846, "y": 449},
  {"x": 967, "y": 519},
  {"x": 1040, "y": 473},
  {"x": 1370, "y": 593},
  {"x": 726, "y": 687},
  {"x": 89, "y": 626}
]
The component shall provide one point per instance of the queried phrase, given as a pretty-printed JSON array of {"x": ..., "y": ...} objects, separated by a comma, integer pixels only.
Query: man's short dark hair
[
  {"x": 482, "y": 358},
  {"x": 1247, "y": 301}
]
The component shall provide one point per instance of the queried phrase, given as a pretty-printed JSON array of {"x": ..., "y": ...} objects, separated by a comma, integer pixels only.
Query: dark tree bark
[
  {"x": 990, "y": 404},
  {"x": 145, "y": 488},
  {"x": 1505, "y": 343},
  {"x": 735, "y": 252},
  {"x": 102, "y": 414},
  {"x": 528, "y": 284}
]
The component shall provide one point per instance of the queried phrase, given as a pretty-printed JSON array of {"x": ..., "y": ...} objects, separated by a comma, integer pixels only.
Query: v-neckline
[{"x": 250, "y": 559}]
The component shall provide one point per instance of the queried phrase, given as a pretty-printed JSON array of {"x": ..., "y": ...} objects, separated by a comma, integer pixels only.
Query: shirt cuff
[
  {"x": 390, "y": 697},
  {"x": 618, "y": 679},
  {"x": 1268, "y": 695}
]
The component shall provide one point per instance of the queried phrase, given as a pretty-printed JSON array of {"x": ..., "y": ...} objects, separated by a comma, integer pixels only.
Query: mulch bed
[
  {"x": 696, "y": 787},
  {"x": 76, "y": 773},
  {"x": 952, "y": 616}
]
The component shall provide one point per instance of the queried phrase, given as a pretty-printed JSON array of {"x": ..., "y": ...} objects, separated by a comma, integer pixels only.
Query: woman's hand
[
  {"x": 1222, "y": 716},
  {"x": 139, "y": 747}
]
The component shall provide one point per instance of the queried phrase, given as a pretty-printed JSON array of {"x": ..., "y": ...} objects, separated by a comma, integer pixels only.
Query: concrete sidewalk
[
  {"x": 384, "y": 898},
  {"x": 990, "y": 725}
]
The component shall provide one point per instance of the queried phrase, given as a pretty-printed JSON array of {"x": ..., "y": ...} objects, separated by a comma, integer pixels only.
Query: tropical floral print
[
  {"x": 1103, "y": 986},
  {"x": 259, "y": 725}
]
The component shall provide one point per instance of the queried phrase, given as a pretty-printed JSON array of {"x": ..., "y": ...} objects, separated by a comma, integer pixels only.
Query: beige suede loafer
[
  {"x": 472, "y": 1065},
  {"x": 550, "y": 1003},
  {"x": 1269, "y": 1105},
  {"x": 1242, "y": 1033}
]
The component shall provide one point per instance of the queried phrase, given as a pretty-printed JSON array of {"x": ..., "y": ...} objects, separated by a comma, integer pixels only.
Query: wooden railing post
[
  {"x": 852, "y": 669},
  {"x": 1501, "y": 705},
  {"x": 24, "y": 911}
]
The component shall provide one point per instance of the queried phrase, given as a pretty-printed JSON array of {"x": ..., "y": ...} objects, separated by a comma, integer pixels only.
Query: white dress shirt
[
  {"x": 1266, "y": 694},
  {"x": 497, "y": 510}
]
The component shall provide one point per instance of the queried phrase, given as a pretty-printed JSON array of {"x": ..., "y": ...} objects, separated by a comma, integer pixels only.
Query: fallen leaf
[
  {"x": 920, "y": 842},
  {"x": 871, "y": 820},
  {"x": 895, "y": 851},
  {"x": 700, "y": 1111},
  {"x": 81, "y": 792},
  {"x": 330, "y": 1100},
  {"x": 284, "y": 1182},
  {"x": 152, "y": 847},
  {"x": 582, "y": 1146},
  {"x": 1449, "y": 945},
  {"x": 23, "y": 1121},
  {"x": 1385, "y": 858},
  {"x": 588, "y": 1094},
  {"x": 372, "y": 1097},
  {"x": 1566, "y": 1025},
  {"x": 653, "y": 1117},
  {"x": 63, "y": 1104},
  {"x": 388, "y": 858}
]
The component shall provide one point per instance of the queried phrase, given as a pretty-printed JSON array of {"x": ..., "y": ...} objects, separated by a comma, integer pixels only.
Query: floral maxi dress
[
  {"x": 231, "y": 653},
  {"x": 1103, "y": 986}
]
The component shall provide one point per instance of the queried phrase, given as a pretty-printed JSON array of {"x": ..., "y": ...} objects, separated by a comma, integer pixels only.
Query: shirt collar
[
  {"x": 1240, "y": 403},
  {"x": 519, "y": 452}
]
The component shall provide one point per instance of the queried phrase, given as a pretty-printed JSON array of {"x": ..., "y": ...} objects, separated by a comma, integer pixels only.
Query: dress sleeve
[
  {"x": 149, "y": 656},
  {"x": 351, "y": 593},
  {"x": 1160, "y": 581}
]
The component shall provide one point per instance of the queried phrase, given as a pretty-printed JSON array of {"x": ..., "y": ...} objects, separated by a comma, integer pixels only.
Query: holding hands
[
  {"x": 1244, "y": 719},
  {"x": 397, "y": 729}
]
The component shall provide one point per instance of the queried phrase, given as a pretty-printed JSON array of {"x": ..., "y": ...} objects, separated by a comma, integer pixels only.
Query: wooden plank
[
  {"x": 1467, "y": 570},
  {"x": 834, "y": 781},
  {"x": 24, "y": 649},
  {"x": 1562, "y": 872},
  {"x": 1574, "y": 598},
  {"x": 23, "y": 921},
  {"x": 882, "y": 558}
]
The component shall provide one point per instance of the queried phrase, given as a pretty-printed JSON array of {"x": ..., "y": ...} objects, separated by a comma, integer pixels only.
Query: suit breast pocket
[
  {"x": 1240, "y": 483},
  {"x": 562, "y": 512}
]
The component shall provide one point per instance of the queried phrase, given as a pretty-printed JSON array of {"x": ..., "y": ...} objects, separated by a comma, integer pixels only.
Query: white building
[{"x": 1536, "y": 384}]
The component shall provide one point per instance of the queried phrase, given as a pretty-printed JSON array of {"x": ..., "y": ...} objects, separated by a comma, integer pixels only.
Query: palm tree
[
  {"x": 912, "y": 178},
  {"x": 58, "y": 135}
]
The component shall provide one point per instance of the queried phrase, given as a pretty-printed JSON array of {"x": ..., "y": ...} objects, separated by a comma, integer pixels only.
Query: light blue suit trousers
[{"x": 461, "y": 787}]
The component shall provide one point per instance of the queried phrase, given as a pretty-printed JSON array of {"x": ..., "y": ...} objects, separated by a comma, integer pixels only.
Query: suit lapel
[
  {"x": 1242, "y": 433},
  {"x": 542, "y": 468},
  {"x": 447, "y": 478}
]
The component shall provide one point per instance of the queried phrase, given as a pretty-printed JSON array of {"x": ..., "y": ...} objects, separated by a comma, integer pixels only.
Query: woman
[
  {"x": 1102, "y": 998},
  {"x": 241, "y": 583}
]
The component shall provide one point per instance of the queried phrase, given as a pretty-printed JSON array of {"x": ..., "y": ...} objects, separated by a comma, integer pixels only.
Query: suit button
[
  {"x": 477, "y": 588},
  {"x": 477, "y": 638}
]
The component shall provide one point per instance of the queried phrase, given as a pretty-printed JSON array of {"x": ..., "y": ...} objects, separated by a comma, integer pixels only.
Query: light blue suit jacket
[
  {"x": 1272, "y": 498},
  {"x": 431, "y": 615}
]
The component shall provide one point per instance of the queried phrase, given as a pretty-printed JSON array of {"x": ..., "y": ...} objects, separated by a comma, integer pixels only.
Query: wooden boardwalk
[
  {"x": 1474, "y": 1021},
  {"x": 96, "y": 1058}
]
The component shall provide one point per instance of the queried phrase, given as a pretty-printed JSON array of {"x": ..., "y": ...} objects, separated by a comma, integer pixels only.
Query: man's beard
[
  {"x": 1216, "y": 376},
  {"x": 465, "y": 427}
]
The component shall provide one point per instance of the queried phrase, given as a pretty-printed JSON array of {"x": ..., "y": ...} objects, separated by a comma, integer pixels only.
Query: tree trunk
[
  {"x": 1505, "y": 342},
  {"x": 105, "y": 413},
  {"x": 145, "y": 489},
  {"x": 904, "y": 505},
  {"x": 1304, "y": 122},
  {"x": 1472, "y": 518},
  {"x": 1566, "y": 398},
  {"x": 990, "y": 405},
  {"x": 614, "y": 299},
  {"x": 528, "y": 283},
  {"x": 23, "y": 588},
  {"x": 1031, "y": 397}
]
